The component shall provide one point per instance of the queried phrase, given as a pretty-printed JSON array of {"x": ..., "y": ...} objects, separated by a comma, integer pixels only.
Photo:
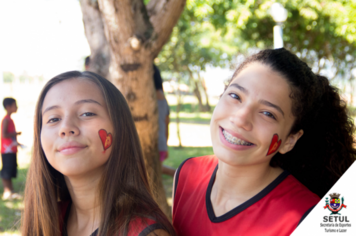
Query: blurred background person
[
  {"x": 9, "y": 149},
  {"x": 163, "y": 122}
]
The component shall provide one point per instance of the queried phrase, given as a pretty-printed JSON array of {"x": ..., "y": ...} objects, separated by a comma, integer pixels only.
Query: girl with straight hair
[
  {"x": 281, "y": 137},
  {"x": 87, "y": 174}
]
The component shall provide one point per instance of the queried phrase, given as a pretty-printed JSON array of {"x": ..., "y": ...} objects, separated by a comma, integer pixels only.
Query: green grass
[
  {"x": 176, "y": 156},
  {"x": 189, "y": 113},
  {"x": 10, "y": 211}
]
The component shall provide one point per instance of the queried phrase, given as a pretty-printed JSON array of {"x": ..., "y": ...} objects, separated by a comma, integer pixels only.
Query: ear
[{"x": 290, "y": 142}]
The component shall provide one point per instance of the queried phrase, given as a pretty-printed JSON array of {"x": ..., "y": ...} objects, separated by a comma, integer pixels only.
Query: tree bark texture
[
  {"x": 135, "y": 34},
  {"x": 94, "y": 31}
]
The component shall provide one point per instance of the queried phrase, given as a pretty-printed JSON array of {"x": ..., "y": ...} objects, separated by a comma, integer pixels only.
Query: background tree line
[{"x": 216, "y": 32}]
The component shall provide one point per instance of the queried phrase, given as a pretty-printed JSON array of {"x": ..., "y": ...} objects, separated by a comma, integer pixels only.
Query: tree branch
[
  {"x": 163, "y": 15},
  {"x": 124, "y": 20},
  {"x": 94, "y": 32}
]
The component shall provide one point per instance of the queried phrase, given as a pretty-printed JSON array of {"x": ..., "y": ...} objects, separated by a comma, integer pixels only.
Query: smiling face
[
  {"x": 254, "y": 109},
  {"x": 73, "y": 112}
]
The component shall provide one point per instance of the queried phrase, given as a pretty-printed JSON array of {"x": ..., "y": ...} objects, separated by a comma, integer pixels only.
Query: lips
[
  {"x": 235, "y": 138},
  {"x": 71, "y": 147},
  {"x": 233, "y": 144}
]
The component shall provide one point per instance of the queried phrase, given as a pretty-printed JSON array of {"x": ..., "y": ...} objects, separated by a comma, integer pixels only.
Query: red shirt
[
  {"x": 8, "y": 145},
  {"x": 137, "y": 226},
  {"x": 276, "y": 210}
]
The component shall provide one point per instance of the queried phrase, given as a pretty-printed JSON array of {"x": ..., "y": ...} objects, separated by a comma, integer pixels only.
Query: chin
[
  {"x": 72, "y": 171},
  {"x": 227, "y": 156}
]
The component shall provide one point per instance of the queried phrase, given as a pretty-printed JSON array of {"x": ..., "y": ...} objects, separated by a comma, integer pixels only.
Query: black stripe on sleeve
[
  {"x": 306, "y": 214},
  {"x": 150, "y": 229},
  {"x": 177, "y": 175}
]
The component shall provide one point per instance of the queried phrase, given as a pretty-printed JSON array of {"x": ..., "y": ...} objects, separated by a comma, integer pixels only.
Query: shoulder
[
  {"x": 292, "y": 194},
  {"x": 296, "y": 190},
  {"x": 162, "y": 102},
  {"x": 194, "y": 170},
  {"x": 198, "y": 164},
  {"x": 6, "y": 119},
  {"x": 145, "y": 227}
]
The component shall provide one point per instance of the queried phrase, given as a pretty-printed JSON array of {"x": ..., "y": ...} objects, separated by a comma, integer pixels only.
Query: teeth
[{"x": 234, "y": 140}]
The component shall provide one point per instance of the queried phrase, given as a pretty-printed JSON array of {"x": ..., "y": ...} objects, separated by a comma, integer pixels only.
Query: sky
[{"x": 41, "y": 37}]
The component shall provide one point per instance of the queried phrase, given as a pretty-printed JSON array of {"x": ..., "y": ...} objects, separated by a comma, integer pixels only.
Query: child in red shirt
[{"x": 9, "y": 149}]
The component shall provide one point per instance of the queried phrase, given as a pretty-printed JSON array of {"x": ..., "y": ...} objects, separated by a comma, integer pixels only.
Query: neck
[
  {"x": 86, "y": 210},
  {"x": 243, "y": 182},
  {"x": 160, "y": 94},
  {"x": 8, "y": 113}
]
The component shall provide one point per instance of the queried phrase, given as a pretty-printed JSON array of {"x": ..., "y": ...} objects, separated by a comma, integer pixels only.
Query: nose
[
  {"x": 242, "y": 118},
  {"x": 68, "y": 127}
]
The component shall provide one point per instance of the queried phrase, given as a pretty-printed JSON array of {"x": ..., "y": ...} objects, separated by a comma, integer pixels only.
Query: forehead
[
  {"x": 262, "y": 78},
  {"x": 72, "y": 90},
  {"x": 262, "y": 82}
]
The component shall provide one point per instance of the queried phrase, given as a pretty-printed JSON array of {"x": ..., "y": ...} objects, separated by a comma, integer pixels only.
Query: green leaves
[{"x": 214, "y": 32}]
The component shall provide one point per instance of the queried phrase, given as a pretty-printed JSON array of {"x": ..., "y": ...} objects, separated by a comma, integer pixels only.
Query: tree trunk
[
  {"x": 135, "y": 35},
  {"x": 196, "y": 90},
  {"x": 179, "y": 102},
  {"x": 94, "y": 31},
  {"x": 351, "y": 82},
  {"x": 207, "y": 106},
  {"x": 198, "y": 95}
]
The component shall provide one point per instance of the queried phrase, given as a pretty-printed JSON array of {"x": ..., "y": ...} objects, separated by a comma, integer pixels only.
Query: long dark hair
[
  {"x": 325, "y": 151},
  {"x": 124, "y": 190}
]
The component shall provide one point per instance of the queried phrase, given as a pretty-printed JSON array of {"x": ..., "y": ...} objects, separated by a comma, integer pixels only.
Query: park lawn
[
  {"x": 176, "y": 156},
  {"x": 10, "y": 211},
  {"x": 189, "y": 110}
]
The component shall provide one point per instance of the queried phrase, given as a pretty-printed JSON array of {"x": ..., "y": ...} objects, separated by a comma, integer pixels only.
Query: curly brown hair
[{"x": 326, "y": 149}]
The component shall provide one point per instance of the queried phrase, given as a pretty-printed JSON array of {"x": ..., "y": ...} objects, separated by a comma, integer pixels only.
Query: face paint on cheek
[
  {"x": 106, "y": 139},
  {"x": 274, "y": 144}
]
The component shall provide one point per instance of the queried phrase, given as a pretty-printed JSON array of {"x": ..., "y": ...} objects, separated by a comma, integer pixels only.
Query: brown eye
[
  {"x": 88, "y": 114},
  {"x": 235, "y": 96},
  {"x": 53, "y": 120},
  {"x": 269, "y": 114}
]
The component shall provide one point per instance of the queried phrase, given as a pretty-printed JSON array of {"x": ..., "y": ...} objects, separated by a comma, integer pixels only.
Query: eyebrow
[
  {"x": 87, "y": 101},
  {"x": 267, "y": 103},
  {"x": 76, "y": 103},
  {"x": 239, "y": 87},
  {"x": 264, "y": 102},
  {"x": 50, "y": 108}
]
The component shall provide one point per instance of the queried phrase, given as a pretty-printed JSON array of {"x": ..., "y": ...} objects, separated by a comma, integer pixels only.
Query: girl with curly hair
[
  {"x": 281, "y": 138},
  {"x": 87, "y": 174}
]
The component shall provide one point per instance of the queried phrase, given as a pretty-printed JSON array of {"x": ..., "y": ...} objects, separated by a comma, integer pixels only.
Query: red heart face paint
[
  {"x": 274, "y": 144},
  {"x": 106, "y": 138}
]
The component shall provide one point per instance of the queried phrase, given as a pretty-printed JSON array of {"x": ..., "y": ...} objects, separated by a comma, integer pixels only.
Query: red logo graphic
[
  {"x": 106, "y": 138},
  {"x": 274, "y": 144},
  {"x": 335, "y": 205}
]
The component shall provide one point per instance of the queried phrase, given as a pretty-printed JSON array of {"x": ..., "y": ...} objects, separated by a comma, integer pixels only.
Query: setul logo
[
  {"x": 335, "y": 222},
  {"x": 335, "y": 206}
]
